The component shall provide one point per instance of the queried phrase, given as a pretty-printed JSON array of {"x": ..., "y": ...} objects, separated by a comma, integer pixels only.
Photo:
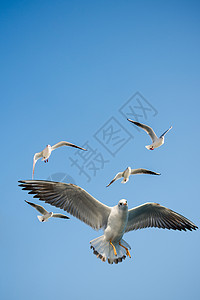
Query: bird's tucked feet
[
  {"x": 127, "y": 251},
  {"x": 115, "y": 252}
]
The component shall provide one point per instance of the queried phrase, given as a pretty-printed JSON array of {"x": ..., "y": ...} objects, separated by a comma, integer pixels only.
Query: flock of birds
[{"x": 115, "y": 221}]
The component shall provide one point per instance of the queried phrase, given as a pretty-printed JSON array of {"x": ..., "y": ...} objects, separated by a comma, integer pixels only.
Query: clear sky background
[{"x": 67, "y": 69}]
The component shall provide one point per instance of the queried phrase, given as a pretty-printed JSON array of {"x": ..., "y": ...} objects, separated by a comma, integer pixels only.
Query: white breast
[
  {"x": 47, "y": 216},
  {"x": 117, "y": 222},
  {"x": 46, "y": 152},
  {"x": 127, "y": 173},
  {"x": 158, "y": 142}
]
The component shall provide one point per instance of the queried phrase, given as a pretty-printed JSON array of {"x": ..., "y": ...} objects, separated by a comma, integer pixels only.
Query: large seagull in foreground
[
  {"x": 46, "y": 152},
  {"x": 115, "y": 221},
  {"x": 157, "y": 141}
]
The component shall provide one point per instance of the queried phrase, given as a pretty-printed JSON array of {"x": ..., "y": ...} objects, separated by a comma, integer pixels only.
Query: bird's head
[
  {"x": 122, "y": 204},
  {"x": 128, "y": 169}
]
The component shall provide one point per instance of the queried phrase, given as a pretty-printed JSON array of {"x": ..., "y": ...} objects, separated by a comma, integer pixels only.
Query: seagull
[
  {"x": 129, "y": 172},
  {"x": 46, "y": 152},
  {"x": 157, "y": 142},
  {"x": 45, "y": 213},
  {"x": 115, "y": 221}
]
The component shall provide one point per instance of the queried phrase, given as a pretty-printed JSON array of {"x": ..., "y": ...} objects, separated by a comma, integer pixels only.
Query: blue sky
[{"x": 67, "y": 68}]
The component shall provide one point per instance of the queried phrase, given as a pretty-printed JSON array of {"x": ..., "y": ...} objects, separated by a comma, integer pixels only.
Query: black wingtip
[
  {"x": 81, "y": 148},
  {"x": 131, "y": 121},
  {"x": 22, "y": 182},
  {"x": 28, "y": 202}
]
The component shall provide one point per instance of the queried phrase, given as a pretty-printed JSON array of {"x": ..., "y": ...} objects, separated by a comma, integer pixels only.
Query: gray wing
[
  {"x": 60, "y": 216},
  {"x": 155, "y": 215},
  {"x": 143, "y": 171},
  {"x": 63, "y": 143},
  {"x": 118, "y": 176},
  {"x": 146, "y": 128},
  {"x": 166, "y": 132},
  {"x": 38, "y": 208},
  {"x": 72, "y": 199}
]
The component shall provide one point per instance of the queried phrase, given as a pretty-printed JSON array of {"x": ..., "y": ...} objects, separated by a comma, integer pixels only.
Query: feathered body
[
  {"x": 46, "y": 152},
  {"x": 45, "y": 217},
  {"x": 126, "y": 174},
  {"x": 156, "y": 141},
  {"x": 115, "y": 221},
  {"x": 159, "y": 142},
  {"x": 114, "y": 232}
]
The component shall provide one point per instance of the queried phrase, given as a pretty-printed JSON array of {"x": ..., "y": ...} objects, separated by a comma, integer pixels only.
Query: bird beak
[{"x": 125, "y": 203}]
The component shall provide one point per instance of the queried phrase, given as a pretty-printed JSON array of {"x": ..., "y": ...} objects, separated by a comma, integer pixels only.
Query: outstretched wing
[
  {"x": 143, "y": 171},
  {"x": 38, "y": 208},
  {"x": 146, "y": 128},
  {"x": 35, "y": 158},
  {"x": 155, "y": 215},
  {"x": 72, "y": 199},
  {"x": 63, "y": 143},
  {"x": 118, "y": 176},
  {"x": 60, "y": 216},
  {"x": 166, "y": 132}
]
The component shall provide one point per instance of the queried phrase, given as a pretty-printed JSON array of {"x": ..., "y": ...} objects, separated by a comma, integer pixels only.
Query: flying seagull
[
  {"x": 45, "y": 214},
  {"x": 115, "y": 221},
  {"x": 129, "y": 172},
  {"x": 46, "y": 152},
  {"x": 157, "y": 142}
]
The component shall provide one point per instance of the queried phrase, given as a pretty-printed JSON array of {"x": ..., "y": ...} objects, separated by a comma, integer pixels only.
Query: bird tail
[
  {"x": 148, "y": 147},
  {"x": 41, "y": 219},
  {"x": 104, "y": 250}
]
